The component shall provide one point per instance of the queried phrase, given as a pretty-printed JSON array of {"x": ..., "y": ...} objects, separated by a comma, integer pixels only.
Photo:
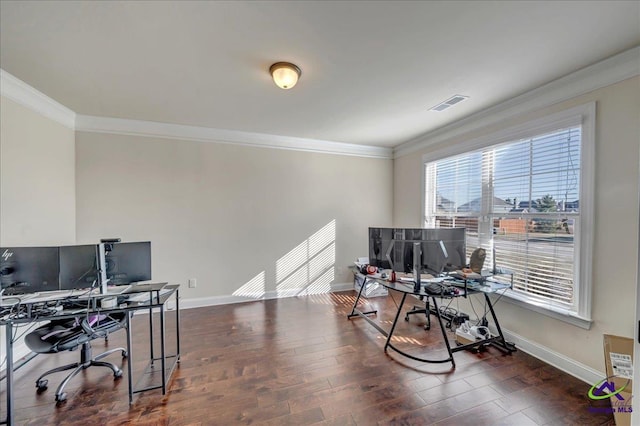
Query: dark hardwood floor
[{"x": 299, "y": 361}]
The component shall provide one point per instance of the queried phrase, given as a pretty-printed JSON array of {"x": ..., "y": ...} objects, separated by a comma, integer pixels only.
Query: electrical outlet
[{"x": 192, "y": 283}]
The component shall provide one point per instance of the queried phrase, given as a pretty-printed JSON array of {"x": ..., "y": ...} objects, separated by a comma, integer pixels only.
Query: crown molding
[
  {"x": 120, "y": 126},
  {"x": 25, "y": 95},
  {"x": 601, "y": 74}
]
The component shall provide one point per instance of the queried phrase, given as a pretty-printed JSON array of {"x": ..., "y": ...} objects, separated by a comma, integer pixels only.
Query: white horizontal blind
[
  {"x": 539, "y": 177},
  {"x": 526, "y": 193},
  {"x": 456, "y": 194}
]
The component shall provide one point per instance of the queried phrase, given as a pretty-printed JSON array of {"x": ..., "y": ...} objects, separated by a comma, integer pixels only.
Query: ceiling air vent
[{"x": 449, "y": 103}]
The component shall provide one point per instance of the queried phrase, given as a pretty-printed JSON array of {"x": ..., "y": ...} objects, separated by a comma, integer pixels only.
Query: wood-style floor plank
[{"x": 299, "y": 361}]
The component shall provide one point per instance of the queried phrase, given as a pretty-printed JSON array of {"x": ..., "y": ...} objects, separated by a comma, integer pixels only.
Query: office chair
[{"x": 66, "y": 335}]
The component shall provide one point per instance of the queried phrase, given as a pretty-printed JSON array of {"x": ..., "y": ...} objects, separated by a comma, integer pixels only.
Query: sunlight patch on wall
[
  {"x": 254, "y": 288},
  {"x": 309, "y": 268},
  {"x": 298, "y": 279},
  {"x": 291, "y": 261},
  {"x": 323, "y": 261},
  {"x": 322, "y": 238},
  {"x": 320, "y": 285}
]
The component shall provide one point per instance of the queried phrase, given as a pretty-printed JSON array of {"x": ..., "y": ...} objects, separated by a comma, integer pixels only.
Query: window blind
[{"x": 520, "y": 198}]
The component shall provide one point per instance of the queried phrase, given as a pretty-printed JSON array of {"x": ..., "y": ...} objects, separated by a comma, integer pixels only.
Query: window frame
[{"x": 584, "y": 116}]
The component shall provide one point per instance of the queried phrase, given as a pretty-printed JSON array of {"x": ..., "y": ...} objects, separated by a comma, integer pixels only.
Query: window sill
[{"x": 558, "y": 314}]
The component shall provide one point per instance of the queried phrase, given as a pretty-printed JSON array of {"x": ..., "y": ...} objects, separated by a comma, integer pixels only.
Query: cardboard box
[{"x": 618, "y": 359}]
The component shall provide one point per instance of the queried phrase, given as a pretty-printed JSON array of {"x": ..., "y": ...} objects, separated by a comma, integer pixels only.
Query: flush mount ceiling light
[{"x": 285, "y": 74}]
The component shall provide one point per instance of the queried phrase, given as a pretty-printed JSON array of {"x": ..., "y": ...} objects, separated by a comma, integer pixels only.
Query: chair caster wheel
[
  {"x": 124, "y": 354},
  {"x": 42, "y": 384},
  {"x": 117, "y": 374},
  {"x": 406, "y": 318},
  {"x": 61, "y": 397}
]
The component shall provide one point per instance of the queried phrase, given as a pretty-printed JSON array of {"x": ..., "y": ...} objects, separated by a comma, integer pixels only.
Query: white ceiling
[{"x": 370, "y": 70}]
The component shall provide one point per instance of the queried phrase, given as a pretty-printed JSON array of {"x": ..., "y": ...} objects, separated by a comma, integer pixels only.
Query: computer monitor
[
  {"x": 78, "y": 267},
  {"x": 442, "y": 249},
  {"x": 381, "y": 248},
  {"x": 29, "y": 269},
  {"x": 127, "y": 263}
]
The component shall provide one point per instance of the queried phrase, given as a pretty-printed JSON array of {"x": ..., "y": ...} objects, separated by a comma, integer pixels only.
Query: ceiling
[{"x": 370, "y": 70}]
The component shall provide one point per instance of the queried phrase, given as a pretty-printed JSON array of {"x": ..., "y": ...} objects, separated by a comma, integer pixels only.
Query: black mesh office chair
[{"x": 66, "y": 335}]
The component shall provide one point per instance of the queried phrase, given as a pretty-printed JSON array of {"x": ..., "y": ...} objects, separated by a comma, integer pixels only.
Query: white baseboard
[{"x": 551, "y": 357}]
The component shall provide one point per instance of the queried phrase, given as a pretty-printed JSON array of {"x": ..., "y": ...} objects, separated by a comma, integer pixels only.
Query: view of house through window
[{"x": 520, "y": 198}]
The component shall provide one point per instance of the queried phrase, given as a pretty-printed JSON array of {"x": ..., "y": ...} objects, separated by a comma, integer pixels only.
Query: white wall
[
  {"x": 615, "y": 257},
  {"x": 37, "y": 178},
  {"x": 37, "y": 183},
  {"x": 240, "y": 220}
]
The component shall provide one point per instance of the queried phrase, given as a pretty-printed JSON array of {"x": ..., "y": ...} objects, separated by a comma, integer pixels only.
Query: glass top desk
[
  {"x": 483, "y": 286},
  {"x": 146, "y": 298}
]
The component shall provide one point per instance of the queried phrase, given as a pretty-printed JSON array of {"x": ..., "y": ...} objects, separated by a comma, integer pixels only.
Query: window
[{"x": 521, "y": 195}]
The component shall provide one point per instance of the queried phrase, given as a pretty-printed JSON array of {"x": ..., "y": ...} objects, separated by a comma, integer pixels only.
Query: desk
[
  {"x": 155, "y": 301},
  {"x": 407, "y": 288}
]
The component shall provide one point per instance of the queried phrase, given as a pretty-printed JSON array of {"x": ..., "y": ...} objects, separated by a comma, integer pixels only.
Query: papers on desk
[
  {"x": 117, "y": 289},
  {"x": 148, "y": 286},
  {"x": 424, "y": 278},
  {"x": 463, "y": 275},
  {"x": 493, "y": 286},
  {"x": 361, "y": 261},
  {"x": 47, "y": 296},
  {"x": 147, "y": 296},
  {"x": 462, "y": 284}
]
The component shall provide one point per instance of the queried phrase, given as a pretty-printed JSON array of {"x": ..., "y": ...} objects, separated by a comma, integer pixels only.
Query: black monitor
[
  {"x": 126, "y": 263},
  {"x": 29, "y": 269},
  {"x": 78, "y": 267},
  {"x": 442, "y": 249},
  {"x": 381, "y": 248}
]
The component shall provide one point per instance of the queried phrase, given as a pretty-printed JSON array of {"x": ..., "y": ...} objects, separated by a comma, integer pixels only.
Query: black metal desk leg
[
  {"x": 444, "y": 331},
  {"x": 9, "y": 372},
  {"x": 355, "y": 303},
  {"x": 151, "y": 334},
  {"x": 130, "y": 357},
  {"x": 178, "y": 325},
  {"x": 502, "y": 343},
  {"x": 428, "y": 314},
  {"x": 163, "y": 360},
  {"x": 395, "y": 321}
]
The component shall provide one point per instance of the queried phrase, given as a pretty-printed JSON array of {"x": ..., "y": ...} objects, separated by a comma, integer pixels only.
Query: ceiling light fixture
[{"x": 285, "y": 74}]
